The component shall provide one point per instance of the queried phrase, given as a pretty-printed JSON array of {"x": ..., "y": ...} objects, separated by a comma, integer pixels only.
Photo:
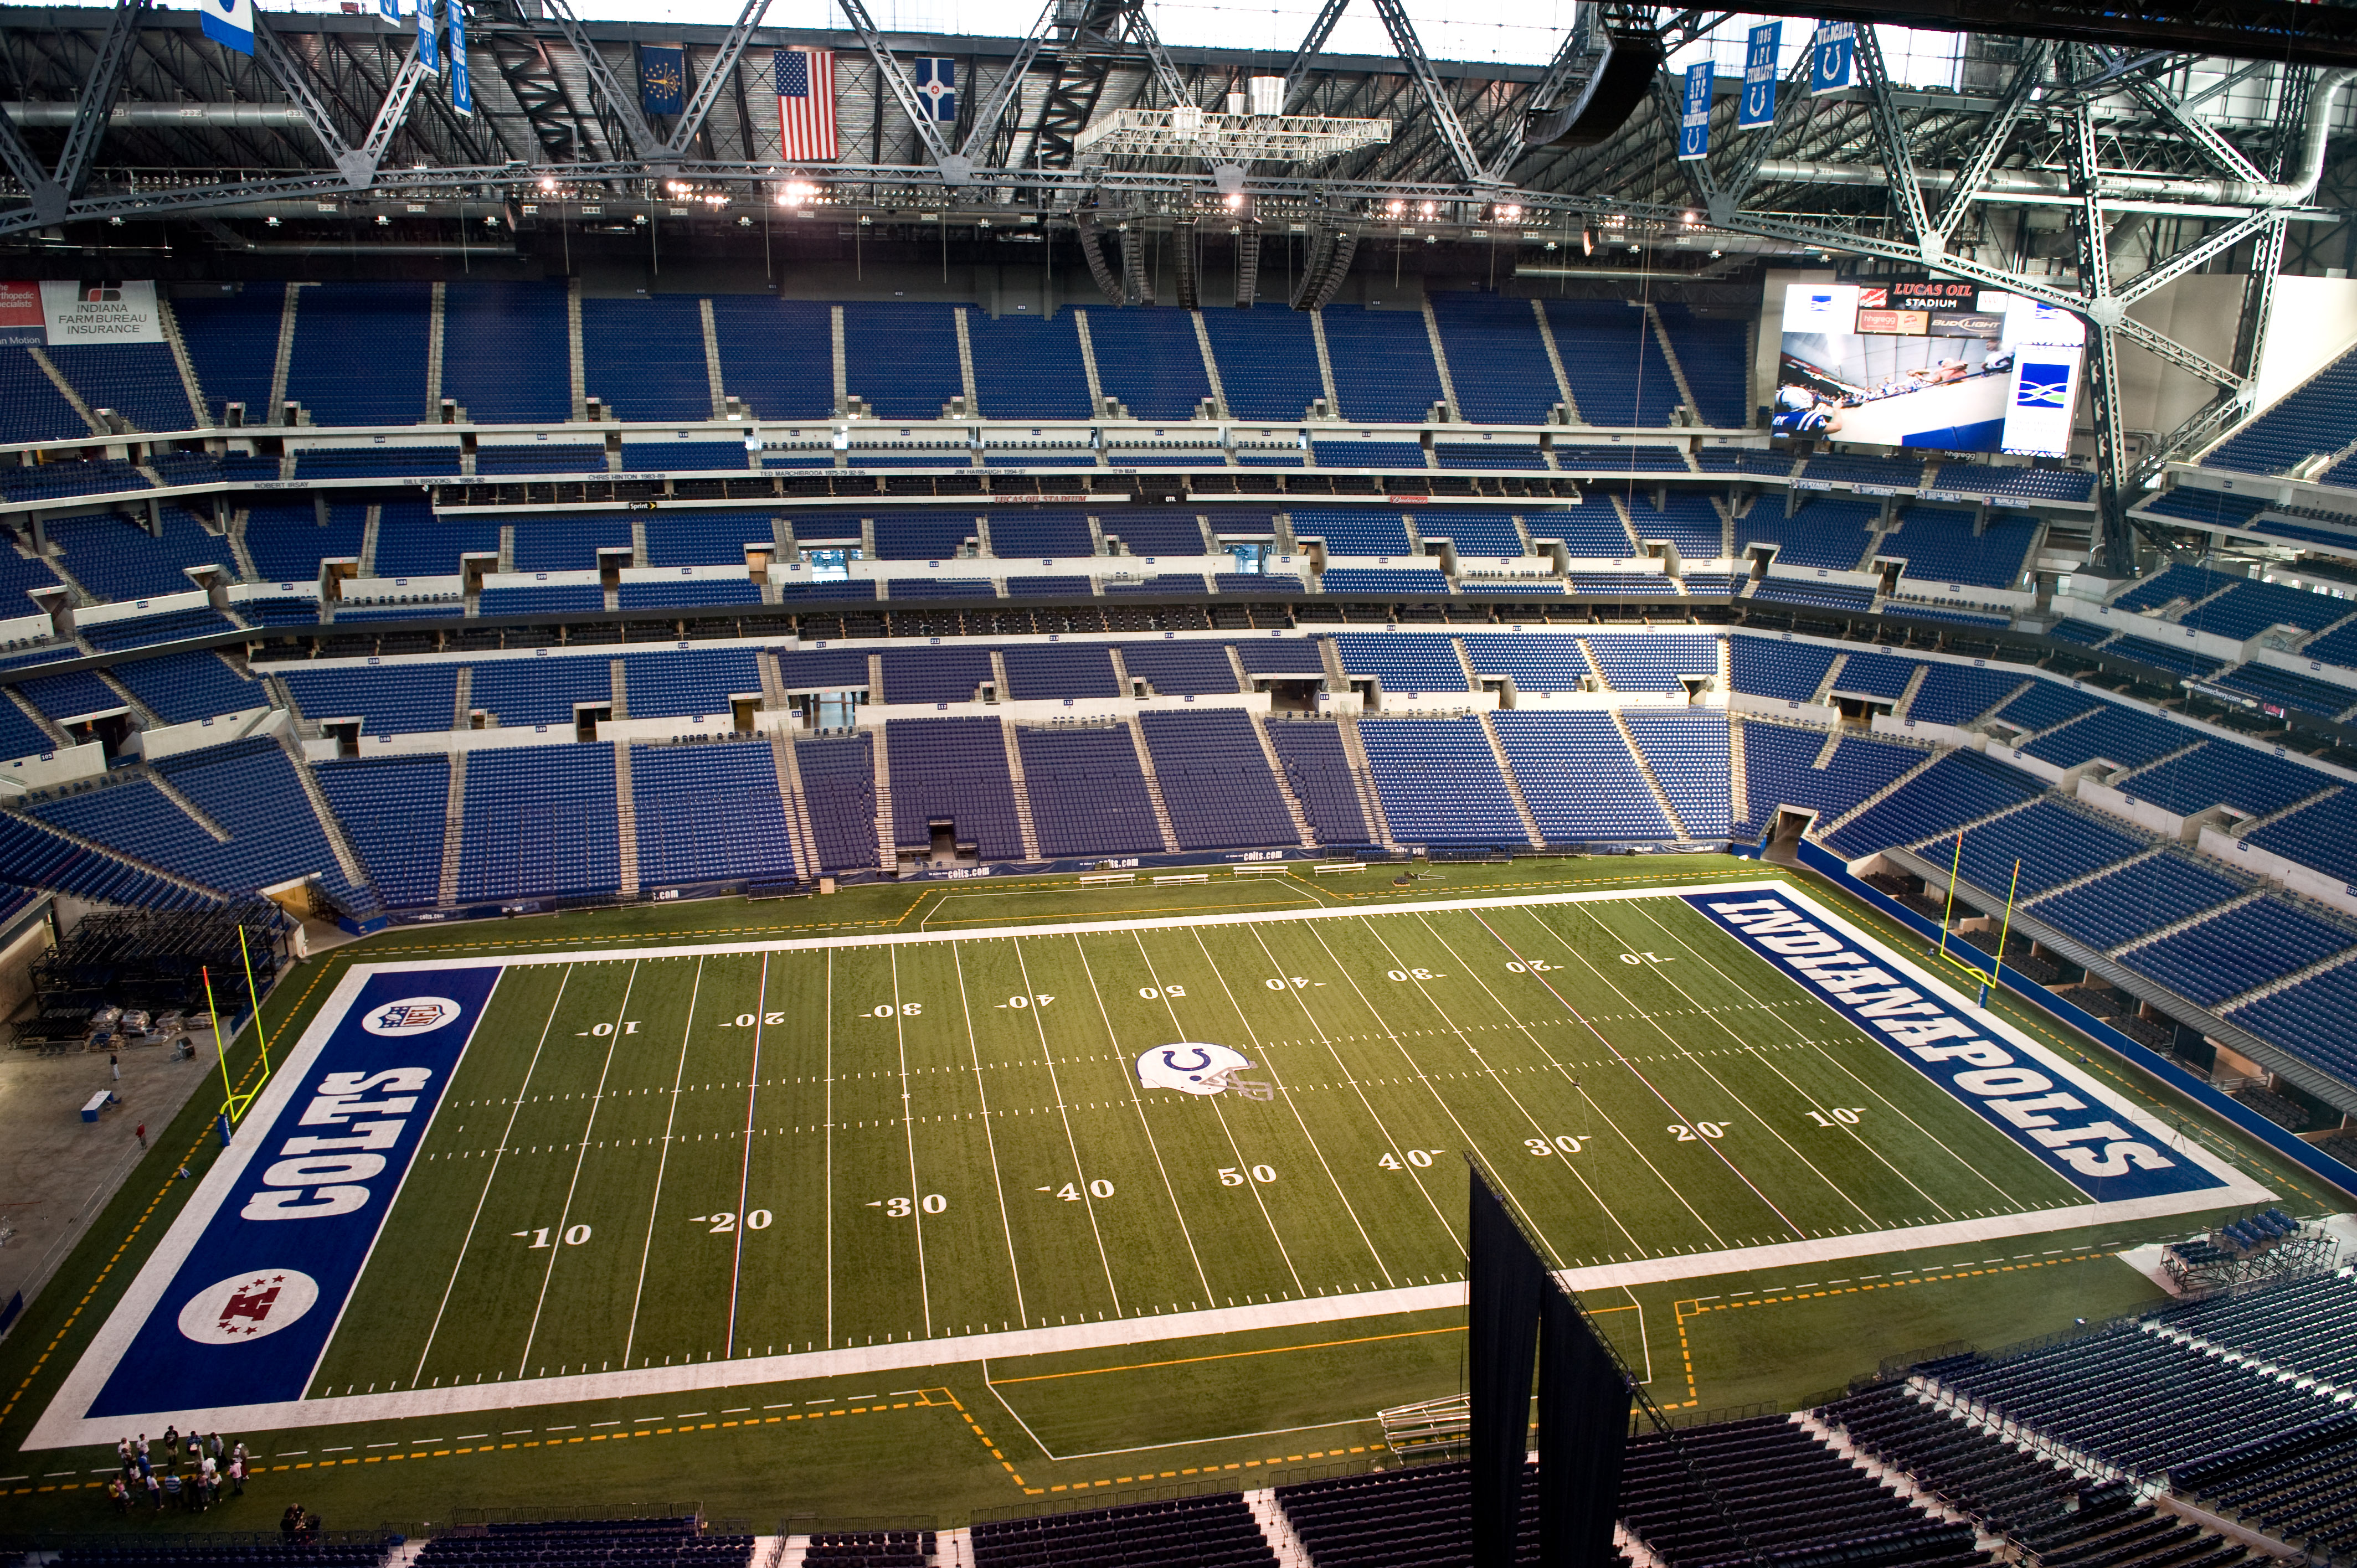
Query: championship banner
[
  {"x": 1694, "y": 125},
  {"x": 429, "y": 43},
  {"x": 75, "y": 312},
  {"x": 1757, "y": 112},
  {"x": 230, "y": 22},
  {"x": 462, "y": 87},
  {"x": 1833, "y": 57}
]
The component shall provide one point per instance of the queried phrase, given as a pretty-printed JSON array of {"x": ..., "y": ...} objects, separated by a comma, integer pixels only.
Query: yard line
[
  {"x": 1056, "y": 1086},
  {"x": 1684, "y": 1051},
  {"x": 516, "y": 1109},
  {"x": 1138, "y": 1104},
  {"x": 662, "y": 1163},
  {"x": 582, "y": 1154},
  {"x": 745, "y": 1175},
  {"x": 1491, "y": 1072},
  {"x": 1566, "y": 1074},
  {"x": 1716, "y": 1153},
  {"x": 990, "y": 1139},
  {"x": 908, "y": 1126},
  {"x": 1299, "y": 1121},
  {"x": 1397, "y": 1152},
  {"x": 1837, "y": 1063},
  {"x": 828, "y": 1123}
]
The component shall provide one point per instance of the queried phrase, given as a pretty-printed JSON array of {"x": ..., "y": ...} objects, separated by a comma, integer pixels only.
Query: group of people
[{"x": 184, "y": 1472}]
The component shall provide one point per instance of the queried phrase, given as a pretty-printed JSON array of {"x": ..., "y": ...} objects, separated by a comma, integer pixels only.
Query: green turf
[{"x": 913, "y": 1449}]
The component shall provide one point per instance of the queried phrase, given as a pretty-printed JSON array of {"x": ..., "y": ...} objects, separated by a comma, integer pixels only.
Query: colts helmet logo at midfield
[
  {"x": 409, "y": 1016},
  {"x": 248, "y": 1307},
  {"x": 1193, "y": 1068}
]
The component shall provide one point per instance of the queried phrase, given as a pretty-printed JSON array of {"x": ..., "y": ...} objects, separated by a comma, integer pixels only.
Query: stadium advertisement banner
[
  {"x": 2095, "y": 1144},
  {"x": 57, "y": 312},
  {"x": 252, "y": 1298},
  {"x": 1931, "y": 363}
]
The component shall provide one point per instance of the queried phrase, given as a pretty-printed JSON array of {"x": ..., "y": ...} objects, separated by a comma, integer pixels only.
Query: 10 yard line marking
[
  {"x": 516, "y": 1109},
  {"x": 565, "y": 1214},
  {"x": 662, "y": 1163}
]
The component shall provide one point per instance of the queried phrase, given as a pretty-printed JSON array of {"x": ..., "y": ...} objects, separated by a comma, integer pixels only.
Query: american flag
[{"x": 806, "y": 105}]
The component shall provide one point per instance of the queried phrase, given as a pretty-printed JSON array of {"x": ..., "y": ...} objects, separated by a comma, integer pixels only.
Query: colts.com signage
[{"x": 55, "y": 313}]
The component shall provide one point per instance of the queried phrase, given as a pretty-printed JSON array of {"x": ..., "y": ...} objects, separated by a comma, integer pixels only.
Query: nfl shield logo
[{"x": 411, "y": 1016}]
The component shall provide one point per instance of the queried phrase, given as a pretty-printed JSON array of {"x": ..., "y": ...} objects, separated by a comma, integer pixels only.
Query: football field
[{"x": 693, "y": 1164}]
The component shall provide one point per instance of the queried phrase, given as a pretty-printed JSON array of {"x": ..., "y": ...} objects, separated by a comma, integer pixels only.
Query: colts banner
[
  {"x": 2095, "y": 1145},
  {"x": 388, "y": 9},
  {"x": 1757, "y": 110},
  {"x": 936, "y": 80},
  {"x": 1833, "y": 54},
  {"x": 250, "y": 1306},
  {"x": 1694, "y": 125},
  {"x": 230, "y": 22},
  {"x": 462, "y": 87},
  {"x": 429, "y": 43}
]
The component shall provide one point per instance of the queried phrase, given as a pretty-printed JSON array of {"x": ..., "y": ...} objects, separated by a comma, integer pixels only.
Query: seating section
[
  {"x": 923, "y": 535},
  {"x": 1422, "y": 580},
  {"x": 1594, "y": 533},
  {"x": 953, "y": 770},
  {"x": 396, "y": 699},
  {"x": 1578, "y": 778},
  {"x": 1959, "y": 787},
  {"x": 540, "y": 821},
  {"x": 2115, "y": 734},
  {"x": 2318, "y": 416},
  {"x": 2221, "y": 773},
  {"x": 233, "y": 338},
  {"x": 1439, "y": 783},
  {"x": 688, "y": 681},
  {"x": 2020, "y": 484},
  {"x": 139, "y": 381},
  {"x": 2239, "y": 949},
  {"x": 287, "y": 543},
  {"x": 2250, "y": 607},
  {"x": 1087, "y": 792},
  {"x": 1791, "y": 671},
  {"x": 415, "y": 543},
  {"x": 1687, "y": 520},
  {"x": 1779, "y": 769},
  {"x": 384, "y": 386},
  {"x": 581, "y": 1543},
  {"x": 902, "y": 358},
  {"x": 393, "y": 808},
  {"x": 1175, "y": 668},
  {"x": 1363, "y": 531},
  {"x": 1379, "y": 455},
  {"x": 946, "y": 675},
  {"x": 1406, "y": 664},
  {"x": 2284, "y": 689},
  {"x": 116, "y": 559},
  {"x": 1617, "y": 371},
  {"x": 1420, "y": 1516},
  {"x": 71, "y": 696},
  {"x": 1217, "y": 1532},
  {"x": 1043, "y": 531},
  {"x": 1149, "y": 362},
  {"x": 775, "y": 354},
  {"x": 1824, "y": 534},
  {"x": 1027, "y": 367},
  {"x": 541, "y": 691},
  {"x": 1268, "y": 361},
  {"x": 541, "y": 457},
  {"x": 2052, "y": 844},
  {"x": 39, "y": 858},
  {"x": 2138, "y": 898},
  {"x": 1384, "y": 367},
  {"x": 506, "y": 353},
  {"x": 1941, "y": 549},
  {"x": 1958, "y": 693},
  {"x": 1317, "y": 771},
  {"x": 644, "y": 357},
  {"x": 709, "y": 812},
  {"x": 141, "y": 631},
  {"x": 1715, "y": 352},
  {"x": 1538, "y": 665},
  {"x": 839, "y": 784},
  {"x": 1523, "y": 457},
  {"x": 1498, "y": 362},
  {"x": 1618, "y": 457},
  {"x": 1652, "y": 663},
  {"x": 1686, "y": 751},
  {"x": 1215, "y": 779}
]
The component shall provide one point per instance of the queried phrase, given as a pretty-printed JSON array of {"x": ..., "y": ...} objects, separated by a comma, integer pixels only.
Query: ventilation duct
[{"x": 153, "y": 116}]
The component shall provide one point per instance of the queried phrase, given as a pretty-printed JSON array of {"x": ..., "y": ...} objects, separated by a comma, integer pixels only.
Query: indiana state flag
[
  {"x": 663, "y": 80},
  {"x": 230, "y": 22},
  {"x": 937, "y": 86}
]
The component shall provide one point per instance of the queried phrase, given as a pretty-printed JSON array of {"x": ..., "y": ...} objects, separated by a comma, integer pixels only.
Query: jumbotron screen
[{"x": 1936, "y": 364}]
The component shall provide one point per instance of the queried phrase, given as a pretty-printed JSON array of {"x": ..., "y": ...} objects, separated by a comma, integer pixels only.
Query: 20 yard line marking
[
  {"x": 745, "y": 1175},
  {"x": 516, "y": 1109},
  {"x": 565, "y": 1215},
  {"x": 990, "y": 1139},
  {"x": 663, "y": 1164}
]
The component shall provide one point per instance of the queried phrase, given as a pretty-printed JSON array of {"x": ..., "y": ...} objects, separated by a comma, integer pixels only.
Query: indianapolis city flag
[
  {"x": 806, "y": 105},
  {"x": 936, "y": 82}
]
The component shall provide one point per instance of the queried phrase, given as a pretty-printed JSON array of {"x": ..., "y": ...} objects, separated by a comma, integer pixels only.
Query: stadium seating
[
  {"x": 2116, "y": 735},
  {"x": 644, "y": 357},
  {"x": 1578, "y": 778},
  {"x": 506, "y": 357},
  {"x": 774, "y": 354},
  {"x": 1027, "y": 367},
  {"x": 1687, "y": 520},
  {"x": 2239, "y": 950},
  {"x": 2287, "y": 689},
  {"x": 953, "y": 770},
  {"x": 1384, "y": 367},
  {"x": 1088, "y": 794},
  {"x": 1779, "y": 769},
  {"x": 116, "y": 559},
  {"x": 1268, "y": 361},
  {"x": 1831, "y": 535},
  {"x": 1439, "y": 783},
  {"x": 1317, "y": 771},
  {"x": 386, "y": 386},
  {"x": 1598, "y": 340},
  {"x": 839, "y": 784},
  {"x": 708, "y": 812},
  {"x": 1685, "y": 749},
  {"x": 1959, "y": 787},
  {"x": 31, "y": 407},
  {"x": 1791, "y": 671},
  {"x": 139, "y": 381},
  {"x": 2316, "y": 417},
  {"x": 902, "y": 358},
  {"x": 1652, "y": 663},
  {"x": 540, "y": 821},
  {"x": 1216, "y": 1531},
  {"x": 1715, "y": 352},
  {"x": 1784, "y": 1487},
  {"x": 2140, "y": 898},
  {"x": 541, "y": 691},
  {"x": 1149, "y": 362},
  {"x": 144, "y": 630},
  {"x": 1618, "y": 458},
  {"x": 1407, "y": 664},
  {"x": 1214, "y": 778},
  {"x": 392, "y": 809},
  {"x": 1497, "y": 360},
  {"x": 1420, "y": 1516},
  {"x": 1940, "y": 547},
  {"x": 233, "y": 338}
]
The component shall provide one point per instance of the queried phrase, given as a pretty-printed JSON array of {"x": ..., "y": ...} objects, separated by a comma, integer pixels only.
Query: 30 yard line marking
[
  {"x": 989, "y": 1138},
  {"x": 516, "y": 1109},
  {"x": 908, "y": 1128},
  {"x": 565, "y": 1215},
  {"x": 745, "y": 1174},
  {"x": 662, "y": 1163},
  {"x": 1681, "y": 1048},
  {"x": 1299, "y": 1120},
  {"x": 1582, "y": 1020},
  {"x": 1072, "y": 1145},
  {"x": 1145, "y": 1124}
]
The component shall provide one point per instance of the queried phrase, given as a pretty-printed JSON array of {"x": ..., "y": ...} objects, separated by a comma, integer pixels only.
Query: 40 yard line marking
[
  {"x": 663, "y": 1164},
  {"x": 516, "y": 1109},
  {"x": 989, "y": 1138},
  {"x": 1056, "y": 1086}
]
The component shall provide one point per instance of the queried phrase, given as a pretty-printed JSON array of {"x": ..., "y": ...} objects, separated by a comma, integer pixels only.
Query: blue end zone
[
  {"x": 2108, "y": 1161},
  {"x": 249, "y": 1311}
]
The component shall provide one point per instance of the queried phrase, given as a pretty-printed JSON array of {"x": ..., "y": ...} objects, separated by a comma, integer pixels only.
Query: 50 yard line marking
[
  {"x": 516, "y": 1109},
  {"x": 581, "y": 1154},
  {"x": 662, "y": 1163}
]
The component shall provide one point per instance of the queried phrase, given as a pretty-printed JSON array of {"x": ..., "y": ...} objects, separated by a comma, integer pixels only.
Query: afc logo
[
  {"x": 248, "y": 1307},
  {"x": 411, "y": 1016}
]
